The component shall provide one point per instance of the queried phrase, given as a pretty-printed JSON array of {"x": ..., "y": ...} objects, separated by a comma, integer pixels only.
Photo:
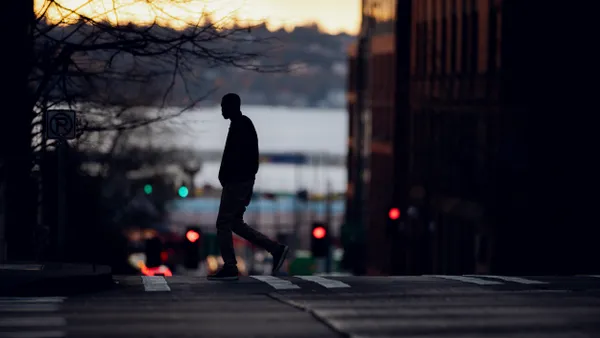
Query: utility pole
[{"x": 61, "y": 149}]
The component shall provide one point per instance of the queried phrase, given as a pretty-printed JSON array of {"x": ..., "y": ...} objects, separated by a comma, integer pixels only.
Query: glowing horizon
[{"x": 330, "y": 17}]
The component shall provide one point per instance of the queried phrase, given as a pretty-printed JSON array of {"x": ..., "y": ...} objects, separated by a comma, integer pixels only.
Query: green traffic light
[
  {"x": 148, "y": 189},
  {"x": 183, "y": 192}
]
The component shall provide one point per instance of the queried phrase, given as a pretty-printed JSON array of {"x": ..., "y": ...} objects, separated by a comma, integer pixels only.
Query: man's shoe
[
  {"x": 225, "y": 274},
  {"x": 279, "y": 257}
]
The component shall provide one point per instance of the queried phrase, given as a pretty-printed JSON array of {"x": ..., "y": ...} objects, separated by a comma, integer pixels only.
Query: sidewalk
[{"x": 52, "y": 279}]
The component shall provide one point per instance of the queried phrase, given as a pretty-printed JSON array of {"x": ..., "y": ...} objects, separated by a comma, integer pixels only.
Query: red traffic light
[
  {"x": 394, "y": 213},
  {"x": 164, "y": 256},
  {"x": 192, "y": 236},
  {"x": 319, "y": 232}
]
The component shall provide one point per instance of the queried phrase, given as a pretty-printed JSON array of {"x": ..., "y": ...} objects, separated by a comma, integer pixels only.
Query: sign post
[{"x": 60, "y": 126}]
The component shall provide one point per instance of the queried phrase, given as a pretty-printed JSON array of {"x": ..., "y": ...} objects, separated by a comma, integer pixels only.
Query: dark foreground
[{"x": 421, "y": 306}]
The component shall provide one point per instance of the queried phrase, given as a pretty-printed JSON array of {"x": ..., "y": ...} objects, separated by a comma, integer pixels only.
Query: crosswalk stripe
[
  {"x": 30, "y": 300},
  {"x": 29, "y": 307},
  {"x": 277, "y": 283},
  {"x": 155, "y": 284},
  {"x": 33, "y": 334},
  {"x": 328, "y": 283},
  {"x": 32, "y": 321},
  {"x": 511, "y": 279},
  {"x": 471, "y": 280},
  {"x": 29, "y": 323}
]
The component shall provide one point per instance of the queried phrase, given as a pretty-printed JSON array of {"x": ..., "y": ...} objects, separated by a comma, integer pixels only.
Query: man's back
[{"x": 240, "y": 157}]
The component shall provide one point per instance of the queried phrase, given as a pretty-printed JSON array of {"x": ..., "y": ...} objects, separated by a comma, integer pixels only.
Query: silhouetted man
[{"x": 238, "y": 171}]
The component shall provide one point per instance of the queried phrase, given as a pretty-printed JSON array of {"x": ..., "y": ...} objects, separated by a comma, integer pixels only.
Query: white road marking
[
  {"x": 595, "y": 276},
  {"x": 32, "y": 321},
  {"x": 471, "y": 280},
  {"x": 512, "y": 279},
  {"x": 33, "y": 334},
  {"x": 31, "y": 304},
  {"x": 23, "y": 300},
  {"x": 328, "y": 283},
  {"x": 277, "y": 283},
  {"x": 155, "y": 284},
  {"x": 29, "y": 307},
  {"x": 334, "y": 274}
]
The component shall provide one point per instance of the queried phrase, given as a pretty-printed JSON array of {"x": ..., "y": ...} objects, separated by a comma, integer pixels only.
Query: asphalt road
[{"x": 419, "y": 306}]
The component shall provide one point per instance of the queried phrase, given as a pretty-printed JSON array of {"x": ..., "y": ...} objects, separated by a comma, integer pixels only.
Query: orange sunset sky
[{"x": 333, "y": 16}]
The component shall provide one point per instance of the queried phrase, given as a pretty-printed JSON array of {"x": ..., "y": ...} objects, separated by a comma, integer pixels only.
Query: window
[{"x": 444, "y": 37}]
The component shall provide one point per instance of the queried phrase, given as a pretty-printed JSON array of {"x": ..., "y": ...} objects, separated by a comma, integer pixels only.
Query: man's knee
[{"x": 225, "y": 222}]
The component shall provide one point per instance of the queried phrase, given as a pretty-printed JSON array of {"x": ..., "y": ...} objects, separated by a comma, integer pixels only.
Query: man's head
[{"x": 230, "y": 105}]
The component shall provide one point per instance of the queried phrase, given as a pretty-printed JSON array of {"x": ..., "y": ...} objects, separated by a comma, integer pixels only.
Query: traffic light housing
[
  {"x": 320, "y": 240},
  {"x": 191, "y": 248},
  {"x": 393, "y": 219},
  {"x": 153, "y": 251}
]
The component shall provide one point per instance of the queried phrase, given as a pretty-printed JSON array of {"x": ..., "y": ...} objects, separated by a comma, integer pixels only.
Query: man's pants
[{"x": 234, "y": 200}]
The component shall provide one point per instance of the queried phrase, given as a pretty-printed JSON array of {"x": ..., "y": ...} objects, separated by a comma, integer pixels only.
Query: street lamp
[{"x": 191, "y": 168}]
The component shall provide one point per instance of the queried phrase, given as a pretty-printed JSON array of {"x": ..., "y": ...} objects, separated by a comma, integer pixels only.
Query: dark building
[
  {"x": 374, "y": 101},
  {"x": 442, "y": 99}
]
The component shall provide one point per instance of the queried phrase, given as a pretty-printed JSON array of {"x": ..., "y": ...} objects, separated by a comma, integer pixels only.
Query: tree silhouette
[{"x": 104, "y": 70}]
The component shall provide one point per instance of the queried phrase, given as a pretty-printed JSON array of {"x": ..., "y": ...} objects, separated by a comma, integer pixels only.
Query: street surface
[{"x": 311, "y": 306}]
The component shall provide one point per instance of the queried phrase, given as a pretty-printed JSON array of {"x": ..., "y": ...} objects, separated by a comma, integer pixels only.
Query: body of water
[{"x": 280, "y": 129}]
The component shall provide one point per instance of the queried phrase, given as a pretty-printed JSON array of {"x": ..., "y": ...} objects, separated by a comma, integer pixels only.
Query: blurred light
[
  {"x": 394, "y": 213},
  {"x": 164, "y": 256},
  {"x": 241, "y": 265},
  {"x": 319, "y": 232},
  {"x": 412, "y": 212},
  {"x": 148, "y": 189},
  {"x": 160, "y": 270},
  {"x": 212, "y": 263},
  {"x": 149, "y": 233},
  {"x": 192, "y": 236},
  {"x": 183, "y": 192}
]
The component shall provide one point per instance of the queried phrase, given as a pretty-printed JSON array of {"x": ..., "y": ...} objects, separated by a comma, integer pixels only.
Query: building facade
[{"x": 442, "y": 99}]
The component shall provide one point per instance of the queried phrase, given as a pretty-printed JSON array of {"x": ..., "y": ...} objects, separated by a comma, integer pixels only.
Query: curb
[{"x": 61, "y": 286}]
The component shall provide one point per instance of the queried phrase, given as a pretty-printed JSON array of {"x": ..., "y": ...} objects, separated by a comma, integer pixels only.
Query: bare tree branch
[{"x": 107, "y": 69}]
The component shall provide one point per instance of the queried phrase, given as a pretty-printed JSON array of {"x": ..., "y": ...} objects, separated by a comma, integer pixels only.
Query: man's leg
[
  {"x": 228, "y": 210},
  {"x": 279, "y": 251}
]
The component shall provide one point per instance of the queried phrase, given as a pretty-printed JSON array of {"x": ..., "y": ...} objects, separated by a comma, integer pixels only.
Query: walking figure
[{"x": 237, "y": 174}]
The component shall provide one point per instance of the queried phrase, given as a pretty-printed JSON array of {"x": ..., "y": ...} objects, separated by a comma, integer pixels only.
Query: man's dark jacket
[{"x": 240, "y": 157}]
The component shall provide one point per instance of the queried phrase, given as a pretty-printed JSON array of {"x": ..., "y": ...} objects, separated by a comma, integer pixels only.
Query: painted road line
[
  {"x": 511, "y": 279},
  {"x": 29, "y": 307},
  {"x": 155, "y": 284},
  {"x": 465, "y": 279},
  {"x": 277, "y": 283},
  {"x": 33, "y": 334},
  {"x": 334, "y": 274},
  {"x": 25, "y": 327},
  {"x": 30, "y": 300},
  {"x": 32, "y": 321},
  {"x": 328, "y": 283}
]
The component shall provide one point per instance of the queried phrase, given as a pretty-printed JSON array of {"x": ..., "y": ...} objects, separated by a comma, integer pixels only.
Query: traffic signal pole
[{"x": 328, "y": 219}]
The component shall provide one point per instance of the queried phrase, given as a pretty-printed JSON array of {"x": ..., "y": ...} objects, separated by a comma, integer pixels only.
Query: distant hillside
[{"x": 318, "y": 76}]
